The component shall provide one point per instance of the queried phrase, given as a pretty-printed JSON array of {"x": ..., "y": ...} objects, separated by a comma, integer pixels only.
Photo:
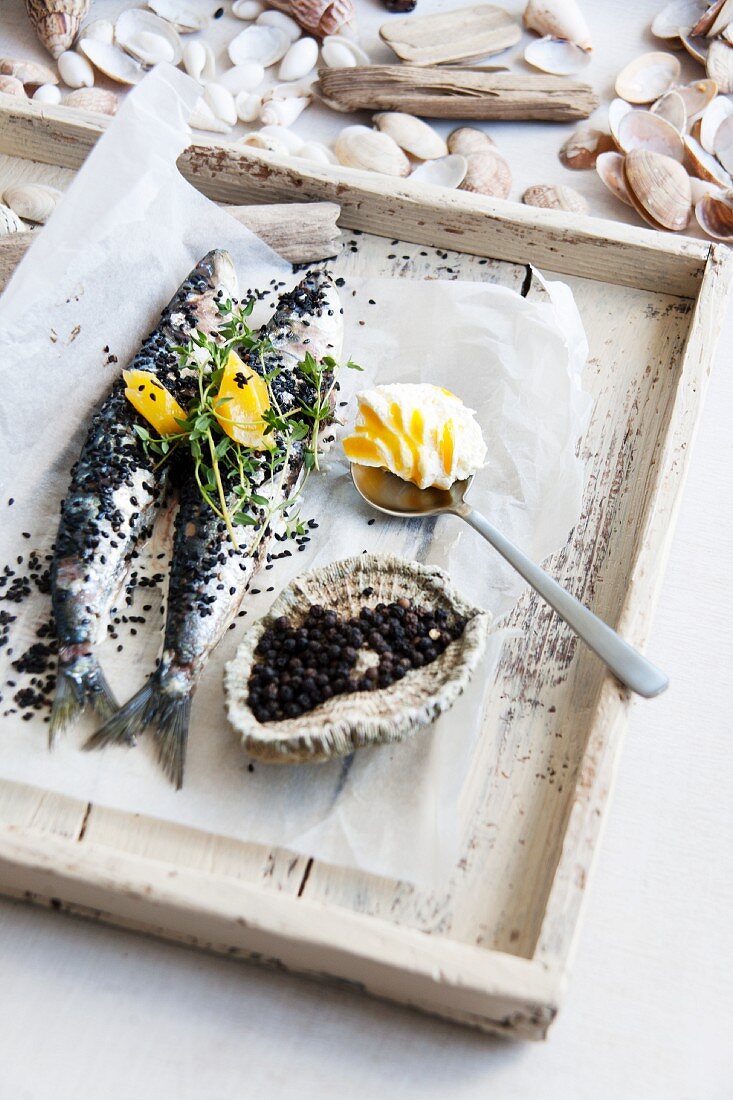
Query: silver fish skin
[
  {"x": 209, "y": 577},
  {"x": 113, "y": 496}
]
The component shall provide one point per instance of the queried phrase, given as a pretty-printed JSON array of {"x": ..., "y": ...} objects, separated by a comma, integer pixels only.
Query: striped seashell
[
  {"x": 57, "y": 22},
  {"x": 320, "y": 17}
]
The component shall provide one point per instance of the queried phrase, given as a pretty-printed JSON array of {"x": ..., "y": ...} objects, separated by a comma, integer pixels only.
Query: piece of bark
[
  {"x": 462, "y": 34},
  {"x": 447, "y": 92}
]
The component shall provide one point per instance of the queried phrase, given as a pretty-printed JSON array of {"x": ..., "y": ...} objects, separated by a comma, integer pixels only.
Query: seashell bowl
[{"x": 355, "y": 720}]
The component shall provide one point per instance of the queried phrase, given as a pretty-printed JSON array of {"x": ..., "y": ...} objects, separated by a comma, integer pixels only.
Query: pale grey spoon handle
[{"x": 630, "y": 667}]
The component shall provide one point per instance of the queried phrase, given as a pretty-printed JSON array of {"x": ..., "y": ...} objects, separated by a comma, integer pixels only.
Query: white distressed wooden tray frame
[{"x": 284, "y": 910}]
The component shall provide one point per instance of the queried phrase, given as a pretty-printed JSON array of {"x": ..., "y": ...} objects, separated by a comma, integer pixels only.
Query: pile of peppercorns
[{"x": 299, "y": 667}]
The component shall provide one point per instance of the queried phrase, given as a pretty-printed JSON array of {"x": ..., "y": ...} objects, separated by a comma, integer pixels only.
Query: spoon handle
[{"x": 631, "y": 668}]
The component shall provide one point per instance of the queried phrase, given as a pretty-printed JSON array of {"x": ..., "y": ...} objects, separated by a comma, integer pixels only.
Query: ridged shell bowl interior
[{"x": 351, "y": 721}]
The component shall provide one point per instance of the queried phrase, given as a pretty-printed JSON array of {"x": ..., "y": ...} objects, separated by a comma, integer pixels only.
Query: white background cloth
[{"x": 87, "y": 1011}]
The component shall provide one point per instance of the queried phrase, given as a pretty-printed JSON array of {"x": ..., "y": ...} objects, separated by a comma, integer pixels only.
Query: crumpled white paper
[{"x": 121, "y": 241}]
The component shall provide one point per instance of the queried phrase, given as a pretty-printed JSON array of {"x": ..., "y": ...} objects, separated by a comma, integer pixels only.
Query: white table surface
[{"x": 87, "y": 1011}]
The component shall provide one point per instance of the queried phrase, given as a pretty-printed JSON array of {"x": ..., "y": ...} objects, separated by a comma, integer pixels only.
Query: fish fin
[
  {"x": 123, "y": 727},
  {"x": 171, "y": 735},
  {"x": 75, "y": 690}
]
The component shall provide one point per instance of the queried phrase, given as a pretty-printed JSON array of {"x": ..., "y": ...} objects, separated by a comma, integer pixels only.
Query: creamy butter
[{"x": 421, "y": 433}]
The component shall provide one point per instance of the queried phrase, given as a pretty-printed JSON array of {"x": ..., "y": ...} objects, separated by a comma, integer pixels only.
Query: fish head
[{"x": 214, "y": 279}]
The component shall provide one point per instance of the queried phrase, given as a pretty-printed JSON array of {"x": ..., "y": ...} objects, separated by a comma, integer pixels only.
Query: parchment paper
[{"x": 120, "y": 242}]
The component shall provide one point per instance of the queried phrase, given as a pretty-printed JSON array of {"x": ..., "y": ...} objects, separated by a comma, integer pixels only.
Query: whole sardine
[
  {"x": 114, "y": 492},
  {"x": 209, "y": 577}
]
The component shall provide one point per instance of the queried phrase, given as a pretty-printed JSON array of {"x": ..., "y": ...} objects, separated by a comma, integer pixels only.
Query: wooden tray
[{"x": 493, "y": 949}]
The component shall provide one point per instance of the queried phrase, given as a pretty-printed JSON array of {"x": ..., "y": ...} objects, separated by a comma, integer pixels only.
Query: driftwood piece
[
  {"x": 300, "y": 232},
  {"x": 456, "y": 93},
  {"x": 460, "y": 35}
]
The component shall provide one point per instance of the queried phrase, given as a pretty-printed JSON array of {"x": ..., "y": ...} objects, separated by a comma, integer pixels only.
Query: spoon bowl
[{"x": 390, "y": 494}]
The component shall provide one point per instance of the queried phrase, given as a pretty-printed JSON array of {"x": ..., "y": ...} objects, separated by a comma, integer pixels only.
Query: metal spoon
[{"x": 396, "y": 497}]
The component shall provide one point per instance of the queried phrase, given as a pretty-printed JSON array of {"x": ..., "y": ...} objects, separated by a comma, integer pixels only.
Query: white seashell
[
  {"x": 75, "y": 70},
  {"x": 648, "y": 77},
  {"x": 112, "y": 61},
  {"x": 551, "y": 197},
  {"x": 448, "y": 171},
  {"x": 283, "y": 112},
  {"x": 35, "y": 202},
  {"x": 411, "y": 134},
  {"x": 643, "y": 130},
  {"x": 243, "y": 78},
  {"x": 299, "y": 60},
  {"x": 264, "y": 44},
  {"x": 714, "y": 215},
  {"x": 671, "y": 106},
  {"x": 99, "y": 100},
  {"x": 101, "y": 30},
  {"x": 198, "y": 61},
  {"x": 10, "y": 85},
  {"x": 10, "y": 222},
  {"x": 704, "y": 165},
  {"x": 290, "y": 141},
  {"x": 221, "y": 103},
  {"x": 185, "y": 17},
  {"x": 335, "y": 55},
  {"x": 371, "y": 150},
  {"x": 677, "y": 18},
  {"x": 557, "y": 56},
  {"x": 203, "y": 118},
  {"x": 468, "y": 139},
  {"x": 617, "y": 109},
  {"x": 47, "y": 93},
  {"x": 696, "y": 47},
  {"x": 361, "y": 57},
  {"x": 610, "y": 168},
  {"x": 487, "y": 174},
  {"x": 27, "y": 72},
  {"x": 248, "y": 105},
  {"x": 715, "y": 19},
  {"x": 317, "y": 152},
  {"x": 717, "y": 110},
  {"x": 282, "y": 22},
  {"x": 258, "y": 140},
  {"x": 696, "y": 97},
  {"x": 247, "y": 9},
  {"x": 719, "y": 65},
  {"x": 724, "y": 144},
  {"x": 659, "y": 188},
  {"x": 558, "y": 19},
  {"x": 148, "y": 37},
  {"x": 703, "y": 187}
]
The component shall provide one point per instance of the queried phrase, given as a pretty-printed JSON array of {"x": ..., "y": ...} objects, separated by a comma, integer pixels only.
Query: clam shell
[
  {"x": 557, "y": 56},
  {"x": 112, "y": 61},
  {"x": 712, "y": 117},
  {"x": 283, "y": 23},
  {"x": 319, "y": 17},
  {"x": 714, "y": 19},
  {"x": 185, "y": 17},
  {"x": 719, "y": 65},
  {"x": 411, "y": 134},
  {"x": 724, "y": 144},
  {"x": 671, "y": 107},
  {"x": 644, "y": 130},
  {"x": 35, "y": 202},
  {"x": 714, "y": 214},
  {"x": 248, "y": 105},
  {"x": 582, "y": 149},
  {"x": 448, "y": 171},
  {"x": 617, "y": 109},
  {"x": 221, "y": 103},
  {"x": 468, "y": 139},
  {"x": 101, "y": 30},
  {"x": 9, "y": 221},
  {"x": 300, "y": 59},
  {"x": 247, "y": 9},
  {"x": 360, "y": 147},
  {"x": 648, "y": 77},
  {"x": 256, "y": 43},
  {"x": 558, "y": 19},
  {"x": 677, "y": 18},
  {"x": 10, "y": 85},
  {"x": 659, "y": 189},
  {"x": 696, "y": 97},
  {"x": 243, "y": 78},
  {"x": 703, "y": 187},
  {"x": 610, "y": 168},
  {"x": 99, "y": 100},
  {"x": 487, "y": 173},
  {"x": 57, "y": 22},
  {"x": 147, "y": 37},
  {"x": 348, "y": 722},
  {"x": 27, "y": 72},
  {"x": 199, "y": 62},
  {"x": 696, "y": 47},
  {"x": 551, "y": 197},
  {"x": 703, "y": 165},
  {"x": 47, "y": 93}
]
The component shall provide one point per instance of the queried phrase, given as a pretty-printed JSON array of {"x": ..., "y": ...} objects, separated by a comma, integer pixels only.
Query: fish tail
[
  {"x": 80, "y": 683},
  {"x": 171, "y": 735},
  {"x": 123, "y": 727}
]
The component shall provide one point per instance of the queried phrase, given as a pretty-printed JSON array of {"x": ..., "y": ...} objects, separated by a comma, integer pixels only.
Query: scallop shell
[
  {"x": 448, "y": 171},
  {"x": 56, "y": 22},
  {"x": 704, "y": 165},
  {"x": 99, "y": 100},
  {"x": 551, "y": 197},
  {"x": 468, "y": 139},
  {"x": 671, "y": 107},
  {"x": 243, "y": 78},
  {"x": 719, "y": 109},
  {"x": 264, "y": 44},
  {"x": 28, "y": 72},
  {"x": 319, "y": 17},
  {"x": 47, "y": 93},
  {"x": 112, "y": 61},
  {"x": 101, "y": 30},
  {"x": 677, "y": 18},
  {"x": 9, "y": 221},
  {"x": 283, "y": 23},
  {"x": 556, "y": 56},
  {"x": 644, "y": 130},
  {"x": 348, "y": 722},
  {"x": 714, "y": 215},
  {"x": 582, "y": 149},
  {"x": 360, "y": 147},
  {"x": 199, "y": 62},
  {"x": 648, "y": 77},
  {"x": 300, "y": 59},
  {"x": 185, "y": 17},
  {"x": 487, "y": 173},
  {"x": 659, "y": 189},
  {"x": 719, "y": 65},
  {"x": 147, "y": 37},
  {"x": 610, "y": 168},
  {"x": 558, "y": 19},
  {"x": 411, "y": 134},
  {"x": 10, "y": 85},
  {"x": 35, "y": 202}
]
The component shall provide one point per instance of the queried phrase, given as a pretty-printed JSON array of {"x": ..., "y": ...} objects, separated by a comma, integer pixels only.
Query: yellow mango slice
[
  {"x": 153, "y": 401},
  {"x": 241, "y": 416}
]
